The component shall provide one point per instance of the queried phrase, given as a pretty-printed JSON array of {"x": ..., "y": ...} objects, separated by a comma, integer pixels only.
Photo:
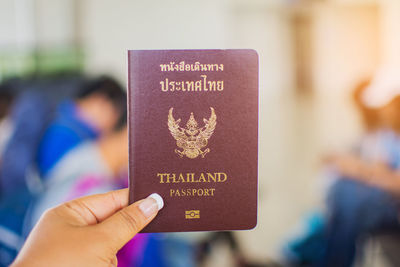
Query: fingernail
[
  {"x": 158, "y": 199},
  {"x": 151, "y": 205}
]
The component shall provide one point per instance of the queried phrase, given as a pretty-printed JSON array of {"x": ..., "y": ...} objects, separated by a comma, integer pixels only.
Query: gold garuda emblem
[{"x": 192, "y": 139}]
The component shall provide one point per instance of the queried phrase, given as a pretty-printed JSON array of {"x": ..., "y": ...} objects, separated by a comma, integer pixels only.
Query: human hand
[
  {"x": 348, "y": 165},
  {"x": 87, "y": 231},
  {"x": 377, "y": 174}
]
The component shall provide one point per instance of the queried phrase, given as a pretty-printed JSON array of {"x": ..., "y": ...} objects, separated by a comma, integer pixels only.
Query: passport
[{"x": 193, "y": 137}]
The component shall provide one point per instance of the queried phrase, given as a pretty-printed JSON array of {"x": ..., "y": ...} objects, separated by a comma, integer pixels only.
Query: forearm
[
  {"x": 384, "y": 178},
  {"x": 375, "y": 174}
]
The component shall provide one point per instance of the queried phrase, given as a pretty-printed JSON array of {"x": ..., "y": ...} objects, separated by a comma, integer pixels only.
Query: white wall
[
  {"x": 109, "y": 28},
  {"x": 16, "y": 24},
  {"x": 390, "y": 32},
  {"x": 27, "y": 23},
  {"x": 54, "y": 23},
  {"x": 346, "y": 45}
]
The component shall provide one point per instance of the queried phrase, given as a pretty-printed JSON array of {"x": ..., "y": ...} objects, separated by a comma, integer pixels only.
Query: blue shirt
[{"x": 66, "y": 132}]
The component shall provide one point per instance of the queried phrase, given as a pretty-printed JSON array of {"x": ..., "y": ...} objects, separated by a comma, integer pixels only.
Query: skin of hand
[
  {"x": 87, "y": 231},
  {"x": 375, "y": 174},
  {"x": 347, "y": 164}
]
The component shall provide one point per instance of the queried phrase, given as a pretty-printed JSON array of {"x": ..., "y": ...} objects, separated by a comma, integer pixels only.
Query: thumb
[{"x": 126, "y": 223}]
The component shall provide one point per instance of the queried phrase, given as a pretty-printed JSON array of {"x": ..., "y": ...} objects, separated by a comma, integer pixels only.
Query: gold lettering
[
  {"x": 178, "y": 86},
  {"x": 212, "y": 85},
  {"x": 211, "y": 177},
  {"x": 202, "y": 179},
  {"x": 204, "y": 82},
  {"x": 172, "y": 84},
  {"x": 201, "y": 85},
  {"x": 183, "y": 87},
  {"x": 161, "y": 175},
  {"x": 224, "y": 177},
  {"x": 190, "y": 86},
  {"x": 181, "y": 179},
  {"x": 164, "y": 85},
  {"x": 192, "y": 192},
  {"x": 200, "y": 192},
  {"x": 170, "y": 176},
  {"x": 212, "y": 191},
  {"x": 197, "y": 66},
  {"x": 220, "y": 85},
  {"x": 197, "y": 86},
  {"x": 190, "y": 177}
]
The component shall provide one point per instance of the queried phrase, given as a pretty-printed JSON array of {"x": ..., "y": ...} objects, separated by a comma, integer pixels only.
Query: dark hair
[
  {"x": 109, "y": 88},
  {"x": 7, "y": 95}
]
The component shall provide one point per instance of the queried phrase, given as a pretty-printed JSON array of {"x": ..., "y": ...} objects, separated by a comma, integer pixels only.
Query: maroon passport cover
[{"x": 193, "y": 137}]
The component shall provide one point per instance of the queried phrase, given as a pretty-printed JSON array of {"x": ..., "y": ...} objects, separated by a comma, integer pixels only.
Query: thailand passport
[{"x": 193, "y": 137}]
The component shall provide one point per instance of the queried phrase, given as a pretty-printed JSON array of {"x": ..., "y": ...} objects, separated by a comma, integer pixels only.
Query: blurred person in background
[
  {"x": 89, "y": 168},
  {"x": 6, "y": 100},
  {"x": 97, "y": 167},
  {"x": 366, "y": 200},
  {"x": 98, "y": 109},
  {"x": 41, "y": 137},
  {"x": 28, "y": 115},
  {"x": 362, "y": 199}
]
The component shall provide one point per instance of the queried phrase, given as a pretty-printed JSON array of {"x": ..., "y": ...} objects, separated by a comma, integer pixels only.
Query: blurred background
[{"x": 313, "y": 54}]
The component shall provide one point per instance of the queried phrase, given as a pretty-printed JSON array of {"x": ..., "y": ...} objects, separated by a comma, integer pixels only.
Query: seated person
[
  {"x": 89, "y": 168},
  {"x": 96, "y": 167},
  {"x": 366, "y": 200},
  {"x": 6, "y": 100},
  {"x": 363, "y": 198},
  {"x": 98, "y": 109}
]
